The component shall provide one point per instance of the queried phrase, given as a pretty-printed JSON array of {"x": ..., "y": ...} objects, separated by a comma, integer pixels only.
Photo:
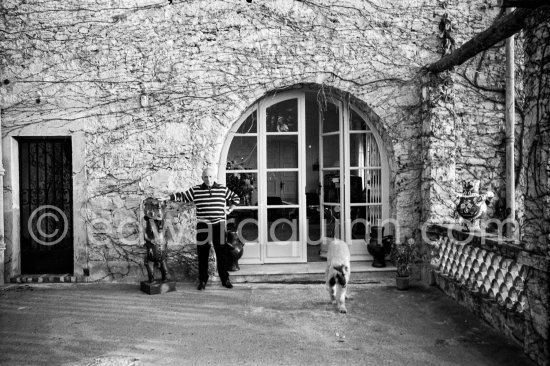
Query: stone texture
[
  {"x": 534, "y": 151},
  {"x": 155, "y": 88},
  {"x": 509, "y": 286}
]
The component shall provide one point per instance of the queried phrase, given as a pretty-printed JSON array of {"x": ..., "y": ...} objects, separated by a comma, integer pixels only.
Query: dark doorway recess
[{"x": 46, "y": 191}]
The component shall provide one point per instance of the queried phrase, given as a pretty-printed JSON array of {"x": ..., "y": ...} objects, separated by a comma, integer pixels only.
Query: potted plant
[{"x": 403, "y": 257}]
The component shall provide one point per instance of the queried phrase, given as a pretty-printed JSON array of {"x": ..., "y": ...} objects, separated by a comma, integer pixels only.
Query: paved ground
[{"x": 256, "y": 324}]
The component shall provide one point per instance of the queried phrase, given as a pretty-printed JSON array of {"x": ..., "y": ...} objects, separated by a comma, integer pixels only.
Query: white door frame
[{"x": 299, "y": 246}]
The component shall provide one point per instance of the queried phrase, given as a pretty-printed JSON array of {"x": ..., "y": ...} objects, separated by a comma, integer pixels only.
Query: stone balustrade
[
  {"x": 484, "y": 272},
  {"x": 497, "y": 279}
]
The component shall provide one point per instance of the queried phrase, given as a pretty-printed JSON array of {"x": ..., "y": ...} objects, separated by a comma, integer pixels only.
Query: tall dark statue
[{"x": 155, "y": 243}]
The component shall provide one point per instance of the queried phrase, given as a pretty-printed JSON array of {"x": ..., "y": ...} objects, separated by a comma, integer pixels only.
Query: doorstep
[
  {"x": 313, "y": 272},
  {"x": 43, "y": 278}
]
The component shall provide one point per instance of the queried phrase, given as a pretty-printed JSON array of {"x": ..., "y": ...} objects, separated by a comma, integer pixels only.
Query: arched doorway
[{"x": 306, "y": 171}]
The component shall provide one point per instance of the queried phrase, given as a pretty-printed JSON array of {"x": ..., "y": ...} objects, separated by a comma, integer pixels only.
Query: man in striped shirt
[{"x": 210, "y": 199}]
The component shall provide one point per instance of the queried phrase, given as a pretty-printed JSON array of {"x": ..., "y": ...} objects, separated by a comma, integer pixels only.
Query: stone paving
[{"x": 251, "y": 324}]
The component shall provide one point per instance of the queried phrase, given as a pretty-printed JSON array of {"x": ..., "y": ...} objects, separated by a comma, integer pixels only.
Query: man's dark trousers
[{"x": 211, "y": 234}]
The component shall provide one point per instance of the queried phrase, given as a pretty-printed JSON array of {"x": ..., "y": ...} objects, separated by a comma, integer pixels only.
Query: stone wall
[
  {"x": 156, "y": 86},
  {"x": 476, "y": 272},
  {"x": 463, "y": 131},
  {"x": 534, "y": 178},
  {"x": 534, "y": 145}
]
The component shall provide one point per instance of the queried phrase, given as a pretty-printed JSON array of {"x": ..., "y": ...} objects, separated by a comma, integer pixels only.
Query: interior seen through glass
[{"x": 281, "y": 179}]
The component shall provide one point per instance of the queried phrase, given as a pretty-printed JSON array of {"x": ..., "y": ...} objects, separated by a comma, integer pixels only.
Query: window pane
[
  {"x": 331, "y": 222},
  {"x": 358, "y": 188},
  {"x": 374, "y": 181},
  {"x": 245, "y": 222},
  {"x": 331, "y": 118},
  {"x": 331, "y": 187},
  {"x": 359, "y": 222},
  {"x": 245, "y": 185},
  {"x": 282, "y": 188},
  {"x": 249, "y": 125},
  {"x": 243, "y": 154},
  {"x": 282, "y": 151},
  {"x": 283, "y": 116},
  {"x": 363, "y": 150},
  {"x": 365, "y": 186},
  {"x": 374, "y": 213},
  {"x": 331, "y": 151},
  {"x": 283, "y": 224},
  {"x": 357, "y": 123}
]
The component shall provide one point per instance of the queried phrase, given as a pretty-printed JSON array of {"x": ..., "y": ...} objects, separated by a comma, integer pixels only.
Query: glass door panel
[
  {"x": 331, "y": 174},
  {"x": 284, "y": 151},
  {"x": 364, "y": 208},
  {"x": 330, "y": 117},
  {"x": 331, "y": 151},
  {"x": 243, "y": 153},
  {"x": 357, "y": 123},
  {"x": 245, "y": 222},
  {"x": 242, "y": 178},
  {"x": 363, "y": 151},
  {"x": 282, "y": 117},
  {"x": 283, "y": 224},
  {"x": 245, "y": 185},
  {"x": 249, "y": 125},
  {"x": 282, "y": 188}
]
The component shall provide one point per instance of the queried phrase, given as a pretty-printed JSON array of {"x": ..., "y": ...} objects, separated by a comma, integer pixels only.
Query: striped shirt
[{"x": 210, "y": 201}]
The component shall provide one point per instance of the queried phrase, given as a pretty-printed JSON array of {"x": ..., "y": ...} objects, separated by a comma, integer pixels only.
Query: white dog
[{"x": 338, "y": 272}]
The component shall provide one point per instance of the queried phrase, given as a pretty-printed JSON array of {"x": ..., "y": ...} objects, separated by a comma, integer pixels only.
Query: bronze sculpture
[
  {"x": 155, "y": 242},
  {"x": 234, "y": 250}
]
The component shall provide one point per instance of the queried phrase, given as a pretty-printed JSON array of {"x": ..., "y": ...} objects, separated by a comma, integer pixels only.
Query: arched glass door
[
  {"x": 351, "y": 178},
  {"x": 265, "y": 167},
  {"x": 304, "y": 176}
]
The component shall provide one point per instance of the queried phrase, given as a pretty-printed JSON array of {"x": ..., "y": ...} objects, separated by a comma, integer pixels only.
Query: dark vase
[
  {"x": 235, "y": 249},
  {"x": 379, "y": 246}
]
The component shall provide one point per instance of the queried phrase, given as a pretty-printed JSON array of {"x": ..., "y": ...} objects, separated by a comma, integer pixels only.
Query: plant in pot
[{"x": 403, "y": 257}]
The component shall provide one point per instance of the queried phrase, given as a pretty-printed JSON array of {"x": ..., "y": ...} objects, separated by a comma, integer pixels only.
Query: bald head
[
  {"x": 209, "y": 171},
  {"x": 209, "y": 176}
]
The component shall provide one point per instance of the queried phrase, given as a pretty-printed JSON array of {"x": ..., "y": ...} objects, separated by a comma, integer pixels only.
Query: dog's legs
[
  {"x": 341, "y": 300},
  {"x": 330, "y": 288}
]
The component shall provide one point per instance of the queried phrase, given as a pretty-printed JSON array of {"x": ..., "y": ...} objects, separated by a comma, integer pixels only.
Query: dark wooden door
[{"x": 45, "y": 182}]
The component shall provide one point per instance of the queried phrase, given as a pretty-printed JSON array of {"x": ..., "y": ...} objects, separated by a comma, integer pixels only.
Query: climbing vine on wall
[{"x": 156, "y": 85}]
